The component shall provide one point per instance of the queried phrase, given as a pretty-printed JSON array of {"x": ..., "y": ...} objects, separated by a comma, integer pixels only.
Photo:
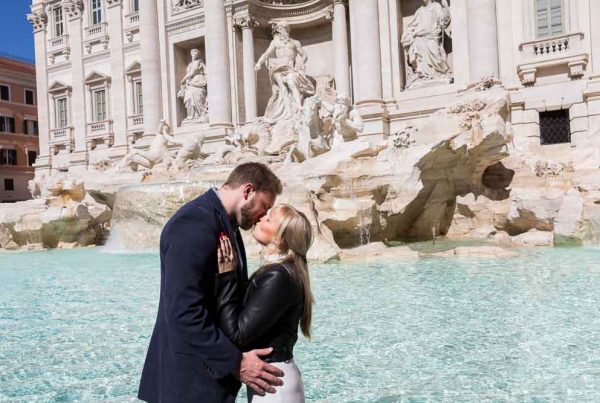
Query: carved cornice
[
  {"x": 113, "y": 3},
  {"x": 246, "y": 22},
  {"x": 294, "y": 12},
  {"x": 73, "y": 8},
  {"x": 185, "y": 25},
  {"x": 39, "y": 20}
]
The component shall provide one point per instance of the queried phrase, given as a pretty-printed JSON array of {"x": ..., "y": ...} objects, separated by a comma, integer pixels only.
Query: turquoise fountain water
[{"x": 74, "y": 326}]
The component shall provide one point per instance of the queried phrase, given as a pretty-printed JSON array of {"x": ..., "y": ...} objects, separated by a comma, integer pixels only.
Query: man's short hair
[{"x": 259, "y": 175}]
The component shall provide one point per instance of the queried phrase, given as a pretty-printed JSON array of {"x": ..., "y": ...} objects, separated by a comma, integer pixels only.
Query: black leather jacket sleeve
[{"x": 271, "y": 294}]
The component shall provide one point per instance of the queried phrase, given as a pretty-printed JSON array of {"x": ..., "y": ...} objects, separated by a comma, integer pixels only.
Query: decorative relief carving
[
  {"x": 181, "y": 5},
  {"x": 73, "y": 8},
  {"x": 246, "y": 22},
  {"x": 112, "y": 3},
  {"x": 270, "y": 11},
  {"x": 39, "y": 20}
]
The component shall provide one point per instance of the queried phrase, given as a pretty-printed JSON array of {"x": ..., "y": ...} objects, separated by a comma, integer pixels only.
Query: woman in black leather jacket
[{"x": 278, "y": 297}]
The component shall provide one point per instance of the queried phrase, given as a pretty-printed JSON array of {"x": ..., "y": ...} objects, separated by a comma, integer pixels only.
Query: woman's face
[{"x": 265, "y": 230}]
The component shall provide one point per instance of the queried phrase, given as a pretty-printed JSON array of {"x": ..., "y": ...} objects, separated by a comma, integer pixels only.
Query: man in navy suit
[{"x": 189, "y": 358}]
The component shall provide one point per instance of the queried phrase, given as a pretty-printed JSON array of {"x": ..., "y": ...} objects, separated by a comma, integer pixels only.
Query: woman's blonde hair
[{"x": 296, "y": 236}]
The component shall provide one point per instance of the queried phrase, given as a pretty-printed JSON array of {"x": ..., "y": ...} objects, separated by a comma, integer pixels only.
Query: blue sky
[{"x": 16, "y": 34}]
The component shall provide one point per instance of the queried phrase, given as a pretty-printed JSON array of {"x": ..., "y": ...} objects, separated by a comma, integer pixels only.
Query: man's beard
[{"x": 246, "y": 221}]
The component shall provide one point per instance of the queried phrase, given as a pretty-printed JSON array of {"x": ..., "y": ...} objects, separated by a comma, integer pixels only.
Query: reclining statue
[{"x": 158, "y": 152}]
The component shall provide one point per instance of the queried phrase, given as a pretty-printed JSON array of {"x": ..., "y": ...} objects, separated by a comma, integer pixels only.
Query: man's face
[{"x": 255, "y": 208}]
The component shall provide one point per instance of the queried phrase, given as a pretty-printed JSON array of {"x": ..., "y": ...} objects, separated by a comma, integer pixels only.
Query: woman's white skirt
[{"x": 292, "y": 390}]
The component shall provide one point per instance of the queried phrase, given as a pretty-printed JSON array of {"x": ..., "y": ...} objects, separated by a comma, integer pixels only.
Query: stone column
[
  {"x": 217, "y": 64},
  {"x": 595, "y": 39},
  {"x": 39, "y": 19},
  {"x": 367, "y": 62},
  {"x": 150, "y": 61},
  {"x": 118, "y": 101},
  {"x": 247, "y": 25},
  {"x": 74, "y": 11},
  {"x": 339, "y": 30},
  {"x": 483, "y": 39}
]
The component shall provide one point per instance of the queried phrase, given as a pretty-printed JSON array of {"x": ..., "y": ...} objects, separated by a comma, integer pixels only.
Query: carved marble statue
[
  {"x": 286, "y": 61},
  {"x": 193, "y": 90},
  {"x": 422, "y": 42},
  {"x": 347, "y": 122},
  {"x": 312, "y": 141},
  {"x": 190, "y": 152},
  {"x": 157, "y": 153}
]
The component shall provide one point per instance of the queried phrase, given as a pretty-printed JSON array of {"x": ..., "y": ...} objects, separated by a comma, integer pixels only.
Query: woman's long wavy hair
[{"x": 295, "y": 235}]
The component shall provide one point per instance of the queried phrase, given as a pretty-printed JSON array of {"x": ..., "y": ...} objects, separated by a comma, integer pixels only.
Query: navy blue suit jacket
[{"x": 189, "y": 358}]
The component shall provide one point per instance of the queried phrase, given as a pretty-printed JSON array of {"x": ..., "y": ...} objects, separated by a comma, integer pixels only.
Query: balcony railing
[
  {"x": 96, "y": 31},
  {"x": 553, "y": 46},
  {"x": 135, "y": 123},
  {"x": 99, "y": 132},
  {"x": 132, "y": 19},
  {"x": 62, "y": 137},
  {"x": 563, "y": 50},
  {"x": 58, "y": 43},
  {"x": 61, "y": 134},
  {"x": 99, "y": 129}
]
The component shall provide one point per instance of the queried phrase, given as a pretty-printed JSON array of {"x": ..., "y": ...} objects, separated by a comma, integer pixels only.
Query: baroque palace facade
[{"x": 108, "y": 71}]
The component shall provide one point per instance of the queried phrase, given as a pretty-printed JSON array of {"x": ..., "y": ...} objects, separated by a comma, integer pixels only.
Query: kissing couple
[{"x": 216, "y": 328}]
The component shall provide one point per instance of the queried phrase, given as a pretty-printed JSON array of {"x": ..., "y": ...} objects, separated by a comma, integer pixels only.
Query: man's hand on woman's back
[{"x": 257, "y": 374}]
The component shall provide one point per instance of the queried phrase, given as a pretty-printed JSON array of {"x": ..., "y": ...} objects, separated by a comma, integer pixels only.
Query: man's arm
[
  {"x": 188, "y": 258},
  {"x": 269, "y": 301}
]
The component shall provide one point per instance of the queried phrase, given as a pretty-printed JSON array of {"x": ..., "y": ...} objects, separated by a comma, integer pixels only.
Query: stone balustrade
[
  {"x": 132, "y": 19},
  {"x": 135, "y": 123},
  {"x": 96, "y": 31},
  {"x": 563, "y": 50},
  {"x": 62, "y": 137},
  {"x": 96, "y": 34},
  {"x": 99, "y": 128},
  {"x": 99, "y": 132},
  {"x": 553, "y": 46},
  {"x": 58, "y": 43}
]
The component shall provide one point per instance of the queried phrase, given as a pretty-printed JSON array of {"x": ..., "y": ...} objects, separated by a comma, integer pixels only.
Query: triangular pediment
[
  {"x": 134, "y": 68},
  {"x": 95, "y": 77},
  {"x": 58, "y": 86}
]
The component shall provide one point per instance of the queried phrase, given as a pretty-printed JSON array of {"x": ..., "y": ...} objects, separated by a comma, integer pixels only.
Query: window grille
[{"x": 555, "y": 127}]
